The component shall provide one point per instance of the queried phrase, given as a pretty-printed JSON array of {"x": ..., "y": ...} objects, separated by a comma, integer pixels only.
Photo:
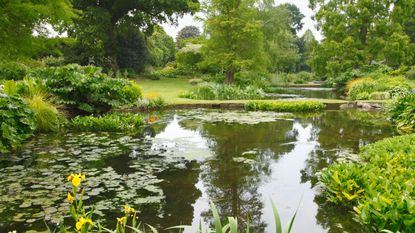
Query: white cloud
[{"x": 188, "y": 20}]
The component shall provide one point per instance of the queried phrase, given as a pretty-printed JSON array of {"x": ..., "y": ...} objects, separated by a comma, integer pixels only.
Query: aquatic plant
[
  {"x": 115, "y": 122},
  {"x": 285, "y": 106},
  {"x": 84, "y": 222},
  {"x": 379, "y": 188}
]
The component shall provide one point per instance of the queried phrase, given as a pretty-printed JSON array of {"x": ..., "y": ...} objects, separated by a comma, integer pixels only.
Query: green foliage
[
  {"x": 87, "y": 89},
  {"x": 360, "y": 32},
  {"x": 214, "y": 91},
  {"x": 282, "y": 79},
  {"x": 362, "y": 89},
  {"x": 410, "y": 74},
  {"x": 156, "y": 103},
  {"x": 188, "y": 58},
  {"x": 47, "y": 116},
  {"x": 11, "y": 70},
  {"x": 96, "y": 29},
  {"x": 17, "y": 123},
  {"x": 279, "y": 26},
  {"x": 161, "y": 47},
  {"x": 236, "y": 40},
  {"x": 185, "y": 33},
  {"x": 115, "y": 122},
  {"x": 19, "y": 19},
  {"x": 285, "y": 106},
  {"x": 402, "y": 112},
  {"x": 380, "y": 96},
  {"x": 380, "y": 187},
  {"x": 132, "y": 51}
]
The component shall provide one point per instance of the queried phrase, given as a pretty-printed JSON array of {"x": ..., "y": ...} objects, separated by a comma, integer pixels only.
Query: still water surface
[{"x": 172, "y": 170}]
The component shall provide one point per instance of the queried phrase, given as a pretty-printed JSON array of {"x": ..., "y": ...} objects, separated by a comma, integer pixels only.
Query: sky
[{"x": 188, "y": 20}]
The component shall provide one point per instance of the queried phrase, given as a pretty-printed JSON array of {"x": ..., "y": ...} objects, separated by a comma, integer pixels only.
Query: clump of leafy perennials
[{"x": 114, "y": 122}]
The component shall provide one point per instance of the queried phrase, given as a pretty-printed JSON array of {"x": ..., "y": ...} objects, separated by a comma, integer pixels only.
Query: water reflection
[{"x": 174, "y": 168}]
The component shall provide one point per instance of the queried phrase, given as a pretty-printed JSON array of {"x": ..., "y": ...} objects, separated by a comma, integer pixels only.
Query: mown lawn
[{"x": 170, "y": 88}]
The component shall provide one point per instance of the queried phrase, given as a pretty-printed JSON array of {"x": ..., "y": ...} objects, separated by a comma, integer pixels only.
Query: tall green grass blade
[
  {"x": 154, "y": 230},
  {"x": 233, "y": 223},
  {"x": 218, "y": 224},
  {"x": 290, "y": 226},
  {"x": 278, "y": 227}
]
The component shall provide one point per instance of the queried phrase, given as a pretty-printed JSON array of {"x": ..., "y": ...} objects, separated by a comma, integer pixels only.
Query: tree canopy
[
  {"x": 20, "y": 19},
  {"x": 141, "y": 14},
  {"x": 235, "y": 36},
  {"x": 358, "y": 32}
]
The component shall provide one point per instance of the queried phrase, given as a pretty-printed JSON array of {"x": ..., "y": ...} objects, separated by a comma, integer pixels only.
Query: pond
[
  {"x": 304, "y": 93},
  {"x": 175, "y": 167}
]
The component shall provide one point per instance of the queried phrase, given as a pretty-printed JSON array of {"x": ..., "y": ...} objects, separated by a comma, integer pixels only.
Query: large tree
[
  {"x": 142, "y": 14},
  {"x": 358, "y": 32},
  {"x": 20, "y": 19},
  {"x": 186, "y": 33},
  {"x": 235, "y": 36},
  {"x": 280, "y": 38}
]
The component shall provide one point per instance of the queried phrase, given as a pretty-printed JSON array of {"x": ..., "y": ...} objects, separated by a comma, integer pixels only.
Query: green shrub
[
  {"x": 116, "y": 122},
  {"x": 380, "y": 96},
  {"x": 17, "y": 123},
  {"x": 13, "y": 70},
  {"x": 402, "y": 112},
  {"x": 410, "y": 74},
  {"x": 156, "y": 103},
  {"x": 213, "y": 91},
  {"x": 285, "y": 106},
  {"x": 196, "y": 81},
  {"x": 188, "y": 57},
  {"x": 361, "y": 89},
  {"x": 380, "y": 187},
  {"x": 87, "y": 89}
]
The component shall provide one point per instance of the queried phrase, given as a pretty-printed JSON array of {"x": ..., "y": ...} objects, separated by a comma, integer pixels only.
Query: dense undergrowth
[{"x": 380, "y": 187}]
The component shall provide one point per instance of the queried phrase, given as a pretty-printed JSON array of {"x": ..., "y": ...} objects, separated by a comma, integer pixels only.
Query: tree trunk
[
  {"x": 111, "y": 49},
  {"x": 229, "y": 76}
]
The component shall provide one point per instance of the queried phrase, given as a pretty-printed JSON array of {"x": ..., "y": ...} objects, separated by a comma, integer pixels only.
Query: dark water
[
  {"x": 174, "y": 168},
  {"x": 304, "y": 93}
]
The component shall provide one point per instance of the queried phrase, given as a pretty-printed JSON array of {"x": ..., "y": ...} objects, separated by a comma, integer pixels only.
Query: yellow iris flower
[
  {"x": 82, "y": 221},
  {"x": 129, "y": 210},
  {"x": 70, "y": 198},
  {"x": 121, "y": 221},
  {"x": 76, "y": 179}
]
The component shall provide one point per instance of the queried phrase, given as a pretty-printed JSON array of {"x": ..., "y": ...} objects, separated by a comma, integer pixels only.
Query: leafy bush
[
  {"x": 373, "y": 70},
  {"x": 13, "y": 70},
  {"x": 16, "y": 123},
  {"x": 213, "y": 91},
  {"x": 116, "y": 122},
  {"x": 156, "y": 103},
  {"x": 47, "y": 116},
  {"x": 87, "y": 89},
  {"x": 402, "y": 112},
  {"x": 283, "y": 79},
  {"x": 410, "y": 74},
  {"x": 285, "y": 106},
  {"x": 380, "y": 96},
  {"x": 188, "y": 57},
  {"x": 361, "y": 89},
  {"x": 380, "y": 187}
]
